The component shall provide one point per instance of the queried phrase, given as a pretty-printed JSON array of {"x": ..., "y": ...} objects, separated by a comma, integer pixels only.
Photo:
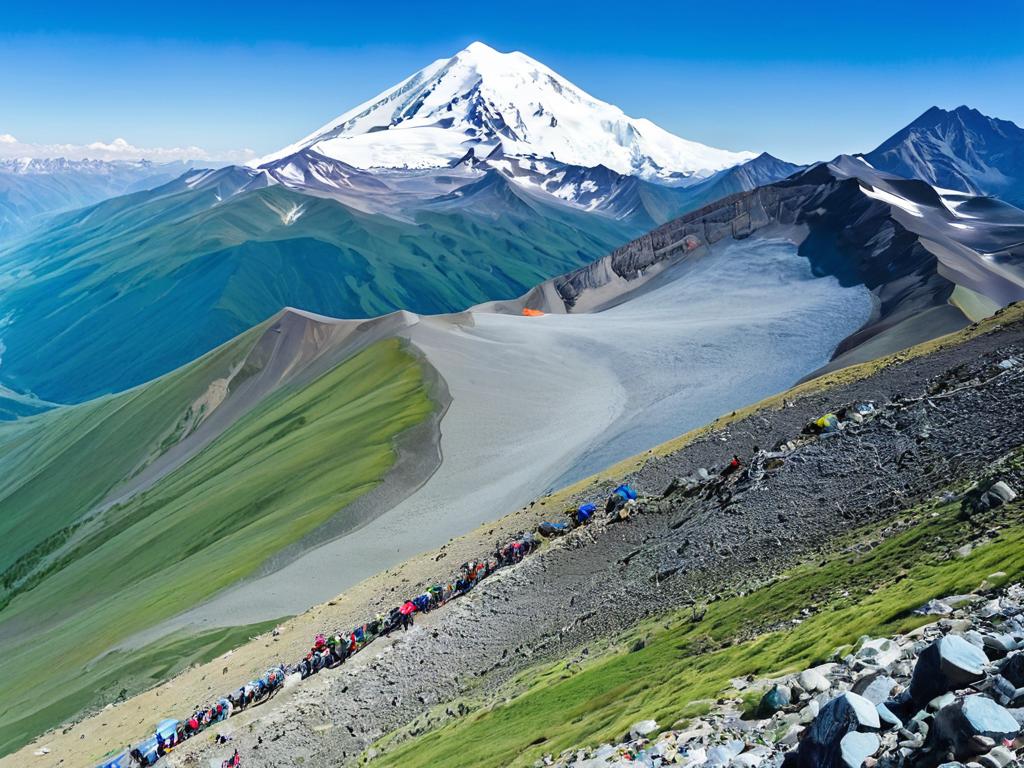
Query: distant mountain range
[
  {"x": 962, "y": 150},
  {"x": 31, "y": 188}
]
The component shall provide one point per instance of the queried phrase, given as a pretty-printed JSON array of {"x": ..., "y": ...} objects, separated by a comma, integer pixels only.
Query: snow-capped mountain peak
[{"x": 481, "y": 100}]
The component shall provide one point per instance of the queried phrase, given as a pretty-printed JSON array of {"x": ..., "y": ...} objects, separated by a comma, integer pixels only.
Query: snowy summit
[{"x": 482, "y": 103}]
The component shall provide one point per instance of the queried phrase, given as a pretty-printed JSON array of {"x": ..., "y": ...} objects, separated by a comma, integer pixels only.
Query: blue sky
[{"x": 804, "y": 81}]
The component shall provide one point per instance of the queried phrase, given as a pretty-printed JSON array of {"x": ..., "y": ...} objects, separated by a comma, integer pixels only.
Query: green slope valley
[
  {"x": 113, "y": 282},
  {"x": 81, "y": 575}
]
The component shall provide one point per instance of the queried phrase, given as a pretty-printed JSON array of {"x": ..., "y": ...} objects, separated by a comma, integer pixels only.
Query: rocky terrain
[
  {"x": 940, "y": 419},
  {"x": 961, "y": 673}
]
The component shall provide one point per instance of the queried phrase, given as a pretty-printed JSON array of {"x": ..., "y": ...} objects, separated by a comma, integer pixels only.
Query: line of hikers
[
  {"x": 329, "y": 651},
  {"x": 326, "y": 652}
]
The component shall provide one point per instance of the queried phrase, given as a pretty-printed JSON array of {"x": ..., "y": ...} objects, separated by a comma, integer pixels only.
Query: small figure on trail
[
  {"x": 407, "y": 610},
  {"x": 732, "y": 466},
  {"x": 232, "y": 762},
  {"x": 618, "y": 499}
]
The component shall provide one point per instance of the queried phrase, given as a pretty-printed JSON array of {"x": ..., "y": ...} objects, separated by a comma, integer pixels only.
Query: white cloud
[{"x": 118, "y": 149}]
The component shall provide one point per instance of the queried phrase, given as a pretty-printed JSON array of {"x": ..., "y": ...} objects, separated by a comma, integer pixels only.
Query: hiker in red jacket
[
  {"x": 407, "y": 610},
  {"x": 732, "y": 466}
]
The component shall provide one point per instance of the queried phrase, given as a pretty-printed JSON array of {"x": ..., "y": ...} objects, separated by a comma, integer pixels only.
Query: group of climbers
[
  {"x": 330, "y": 651},
  {"x": 326, "y": 652}
]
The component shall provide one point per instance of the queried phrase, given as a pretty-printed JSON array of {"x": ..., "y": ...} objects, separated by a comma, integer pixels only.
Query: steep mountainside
[
  {"x": 933, "y": 261},
  {"x": 219, "y": 452},
  {"x": 960, "y": 149},
  {"x": 117, "y": 514},
  {"x": 30, "y": 190},
  {"x": 709, "y": 585}
]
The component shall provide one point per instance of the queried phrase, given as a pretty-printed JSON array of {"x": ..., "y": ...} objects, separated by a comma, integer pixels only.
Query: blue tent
[
  {"x": 147, "y": 751},
  {"x": 119, "y": 760},
  {"x": 585, "y": 512},
  {"x": 167, "y": 729}
]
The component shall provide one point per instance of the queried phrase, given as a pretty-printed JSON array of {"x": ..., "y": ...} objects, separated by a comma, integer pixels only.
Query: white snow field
[
  {"x": 483, "y": 100},
  {"x": 537, "y": 402}
]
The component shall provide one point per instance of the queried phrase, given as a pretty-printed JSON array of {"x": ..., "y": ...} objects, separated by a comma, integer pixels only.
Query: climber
[
  {"x": 407, "y": 610},
  {"x": 618, "y": 499},
  {"x": 732, "y": 466}
]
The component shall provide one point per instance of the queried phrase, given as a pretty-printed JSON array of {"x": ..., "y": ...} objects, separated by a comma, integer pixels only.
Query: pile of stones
[{"x": 950, "y": 693}]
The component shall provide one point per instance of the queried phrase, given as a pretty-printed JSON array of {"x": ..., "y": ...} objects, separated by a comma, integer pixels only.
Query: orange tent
[{"x": 532, "y": 312}]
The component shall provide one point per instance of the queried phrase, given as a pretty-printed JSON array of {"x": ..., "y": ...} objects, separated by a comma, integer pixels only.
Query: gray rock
[
  {"x": 1009, "y": 683},
  {"x": 856, "y": 747},
  {"x": 880, "y": 652},
  {"x": 876, "y": 687},
  {"x": 998, "y": 757},
  {"x": 947, "y": 664},
  {"x": 812, "y": 680},
  {"x": 723, "y": 754},
  {"x": 998, "y": 645},
  {"x": 642, "y": 728},
  {"x": 1003, "y": 492},
  {"x": 777, "y": 698},
  {"x": 808, "y": 713},
  {"x": 934, "y": 608},
  {"x": 973, "y": 726},
  {"x": 822, "y": 743}
]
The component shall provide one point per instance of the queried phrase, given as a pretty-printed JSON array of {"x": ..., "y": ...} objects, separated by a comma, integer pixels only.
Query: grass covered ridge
[
  {"x": 274, "y": 476},
  {"x": 857, "y": 590}
]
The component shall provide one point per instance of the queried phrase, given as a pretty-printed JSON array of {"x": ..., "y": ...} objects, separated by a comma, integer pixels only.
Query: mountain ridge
[{"x": 960, "y": 149}]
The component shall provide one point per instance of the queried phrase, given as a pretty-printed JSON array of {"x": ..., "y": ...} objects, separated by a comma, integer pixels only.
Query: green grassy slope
[
  {"x": 683, "y": 664},
  {"x": 56, "y": 466},
  {"x": 111, "y": 283},
  {"x": 275, "y": 475}
]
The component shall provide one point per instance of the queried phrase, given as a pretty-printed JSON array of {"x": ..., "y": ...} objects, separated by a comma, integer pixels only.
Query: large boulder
[
  {"x": 841, "y": 736},
  {"x": 946, "y": 665},
  {"x": 969, "y": 727}
]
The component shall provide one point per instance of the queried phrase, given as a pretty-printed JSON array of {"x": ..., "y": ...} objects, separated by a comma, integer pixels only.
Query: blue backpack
[
  {"x": 585, "y": 512},
  {"x": 626, "y": 492}
]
